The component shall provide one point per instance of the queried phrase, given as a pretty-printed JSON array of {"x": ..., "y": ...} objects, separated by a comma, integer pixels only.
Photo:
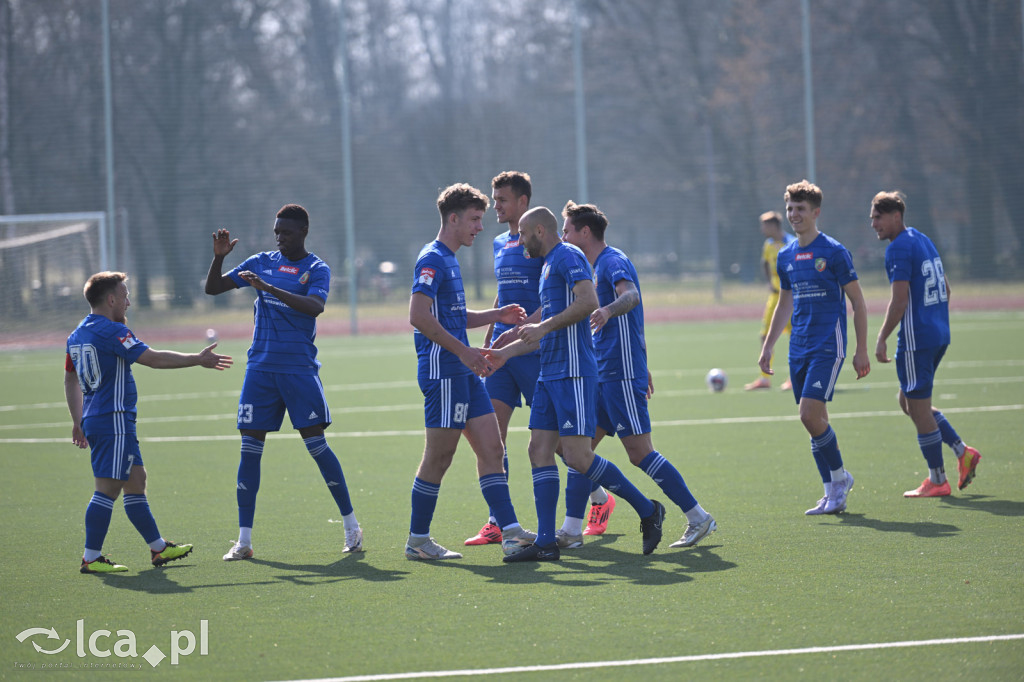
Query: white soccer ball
[{"x": 716, "y": 380}]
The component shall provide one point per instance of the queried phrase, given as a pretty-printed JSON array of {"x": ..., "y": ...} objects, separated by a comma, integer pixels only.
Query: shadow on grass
[
  {"x": 597, "y": 564},
  {"x": 985, "y": 503},
  {"x": 350, "y": 567},
  {"x": 922, "y": 529},
  {"x": 159, "y": 581}
]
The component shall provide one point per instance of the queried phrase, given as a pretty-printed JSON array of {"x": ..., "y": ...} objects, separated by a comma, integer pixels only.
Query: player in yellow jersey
[{"x": 775, "y": 239}]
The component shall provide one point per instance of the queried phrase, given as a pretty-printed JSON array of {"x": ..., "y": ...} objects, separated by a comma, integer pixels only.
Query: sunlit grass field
[{"x": 890, "y": 570}]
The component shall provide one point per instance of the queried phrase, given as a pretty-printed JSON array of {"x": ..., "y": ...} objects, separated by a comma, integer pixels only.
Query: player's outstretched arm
[
  {"x": 170, "y": 359},
  {"x": 489, "y": 334},
  {"x": 424, "y": 321},
  {"x": 217, "y": 283},
  {"x": 509, "y": 314},
  {"x": 308, "y": 304},
  {"x": 584, "y": 304}
]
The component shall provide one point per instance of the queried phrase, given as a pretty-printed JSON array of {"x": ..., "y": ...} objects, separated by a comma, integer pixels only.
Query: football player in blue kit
[
  {"x": 101, "y": 396},
  {"x": 565, "y": 399},
  {"x": 455, "y": 402},
  {"x": 282, "y": 372},
  {"x": 919, "y": 304},
  {"x": 816, "y": 275},
  {"x": 518, "y": 278},
  {"x": 625, "y": 383},
  {"x": 517, "y": 275}
]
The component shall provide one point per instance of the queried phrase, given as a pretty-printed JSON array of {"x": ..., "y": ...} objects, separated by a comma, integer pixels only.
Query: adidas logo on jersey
[
  {"x": 789, "y": 268},
  {"x": 567, "y": 424},
  {"x": 816, "y": 384},
  {"x": 241, "y": 486},
  {"x": 314, "y": 415}
]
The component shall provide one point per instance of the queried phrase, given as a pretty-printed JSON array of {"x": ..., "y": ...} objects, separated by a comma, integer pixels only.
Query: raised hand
[
  {"x": 211, "y": 360},
  {"x": 222, "y": 242}
]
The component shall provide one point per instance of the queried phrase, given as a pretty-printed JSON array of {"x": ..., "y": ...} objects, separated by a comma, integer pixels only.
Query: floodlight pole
[
  {"x": 346, "y": 173},
  {"x": 805, "y": 21},
  {"x": 107, "y": 245},
  {"x": 581, "y": 104}
]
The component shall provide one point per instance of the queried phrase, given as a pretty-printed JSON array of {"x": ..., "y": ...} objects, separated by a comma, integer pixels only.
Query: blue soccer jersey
[
  {"x": 438, "y": 276},
  {"x": 567, "y": 352},
  {"x": 816, "y": 274},
  {"x": 283, "y": 338},
  {"x": 518, "y": 276},
  {"x": 101, "y": 352},
  {"x": 912, "y": 257},
  {"x": 620, "y": 345}
]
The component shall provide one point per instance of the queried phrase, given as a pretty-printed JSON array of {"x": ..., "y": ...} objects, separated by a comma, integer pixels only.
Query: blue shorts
[
  {"x": 916, "y": 370},
  {"x": 114, "y": 454},
  {"x": 518, "y": 376},
  {"x": 568, "y": 406},
  {"x": 814, "y": 376},
  {"x": 622, "y": 408},
  {"x": 266, "y": 395},
  {"x": 450, "y": 403}
]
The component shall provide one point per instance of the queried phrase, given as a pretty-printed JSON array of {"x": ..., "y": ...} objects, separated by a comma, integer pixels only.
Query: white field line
[
  {"x": 163, "y": 397},
  {"x": 348, "y": 388},
  {"x": 521, "y": 429},
  {"x": 480, "y": 672}
]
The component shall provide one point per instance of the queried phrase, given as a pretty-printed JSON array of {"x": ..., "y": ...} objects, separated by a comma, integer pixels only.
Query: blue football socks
[
  {"x": 97, "y": 521},
  {"x": 577, "y": 493},
  {"x": 545, "y": 497},
  {"x": 424, "y": 500},
  {"x": 826, "y": 453},
  {"x": 610, "y": 477},
  {"x": 248, "y": 480},
  {"x": 330, "y": 469},
  {"x": 668, "y": 479},
  {"x": 137, "y": 509},
  {"x": 495, "y": 490},
  {"x": 931, "y": 448}
]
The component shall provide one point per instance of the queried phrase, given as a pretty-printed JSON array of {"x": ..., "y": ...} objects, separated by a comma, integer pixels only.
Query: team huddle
[{"x": 565, "y": 336}]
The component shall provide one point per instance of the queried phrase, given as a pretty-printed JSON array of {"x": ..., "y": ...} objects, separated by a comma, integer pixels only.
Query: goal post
[{"x": 45, "y": 259}]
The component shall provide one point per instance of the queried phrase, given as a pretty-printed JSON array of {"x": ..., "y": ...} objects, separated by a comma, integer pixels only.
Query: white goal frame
[{"x": 99, "y": 216}]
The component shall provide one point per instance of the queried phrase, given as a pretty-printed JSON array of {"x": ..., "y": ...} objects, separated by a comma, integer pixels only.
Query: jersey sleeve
[
  {"x": 126, "y": 345},
  {"x": 250, "y": 264},
  {"x": 842, "y": 266},
  {"x": 784, "y": 282},
  {"x": 427, "y": 275},
  {"x": 69, "y": 366},
  {"x": 320, "y": 281},
  {"x": 575, "y": 268},
  {"x": 897, "y": 262},
  {"x": 615, "y": 271}
]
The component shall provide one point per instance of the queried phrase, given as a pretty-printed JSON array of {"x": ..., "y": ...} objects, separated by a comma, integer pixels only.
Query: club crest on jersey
[
  {"x": 304, "y": 278},
  {"x": 426, "y": 276},
  {"x": 545, "y": 271},
  {"x": 290, "y": 269},
  {"x": 819, "y": 264},
  {"x": 804, "y": 256},
  {"x": 128, "y": 340}
]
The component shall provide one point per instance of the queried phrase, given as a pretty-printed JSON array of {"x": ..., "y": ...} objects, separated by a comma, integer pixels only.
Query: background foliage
[{"x": 224, "y": 111}]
